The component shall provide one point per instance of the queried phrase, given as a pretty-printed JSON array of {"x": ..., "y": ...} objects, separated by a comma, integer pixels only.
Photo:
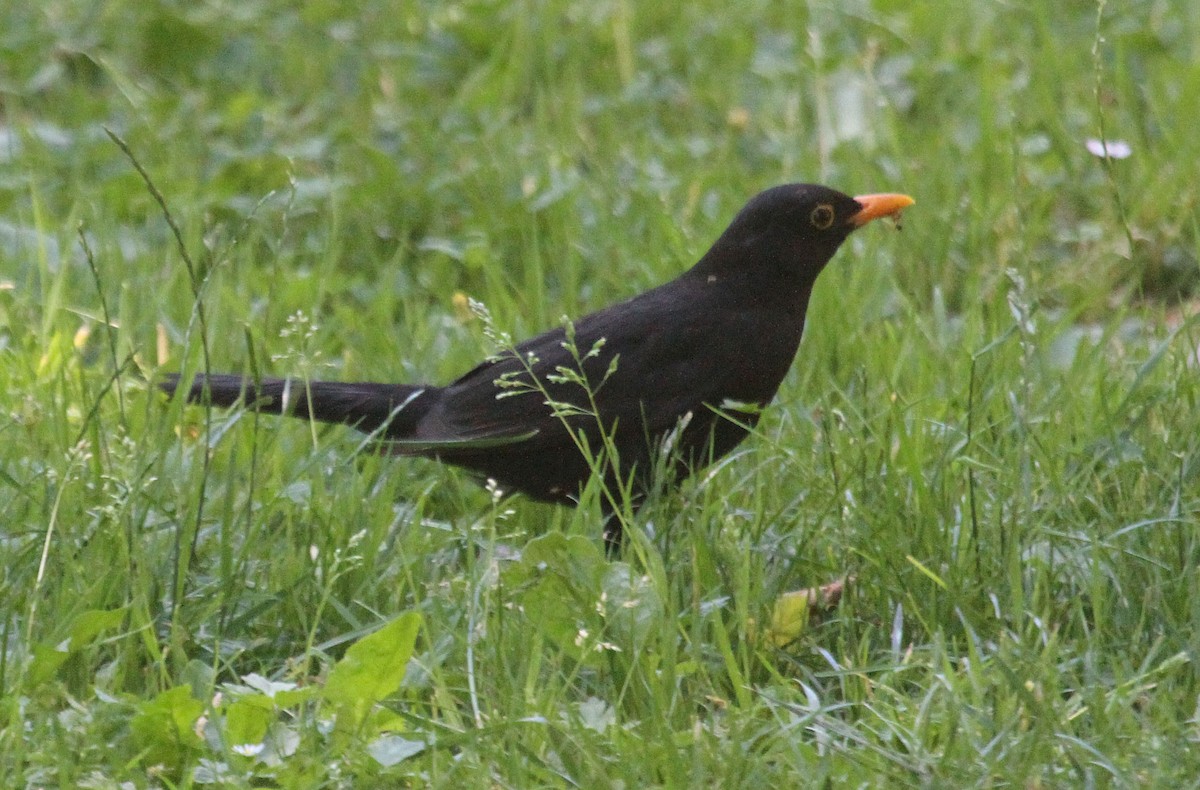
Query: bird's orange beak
[{"x": 887, "y": 204}]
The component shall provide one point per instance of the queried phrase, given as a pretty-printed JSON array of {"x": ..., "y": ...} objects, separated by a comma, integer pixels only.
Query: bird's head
[{"x": 793, "y": 230}]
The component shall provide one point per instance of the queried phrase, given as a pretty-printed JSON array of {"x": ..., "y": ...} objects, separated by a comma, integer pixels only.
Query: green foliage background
[{"x": 992, "y": 425}]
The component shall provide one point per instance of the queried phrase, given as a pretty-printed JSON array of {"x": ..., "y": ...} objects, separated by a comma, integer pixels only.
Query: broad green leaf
[
  {"x": 373, "y": 667},
  {"x": 47, "y": 659},
  {"x": 165, "y": 726},
  {"x": 246, "y": 723}
]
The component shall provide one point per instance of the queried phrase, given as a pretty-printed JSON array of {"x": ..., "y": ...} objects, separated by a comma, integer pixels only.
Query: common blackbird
[{"x": 677, "y": 373}]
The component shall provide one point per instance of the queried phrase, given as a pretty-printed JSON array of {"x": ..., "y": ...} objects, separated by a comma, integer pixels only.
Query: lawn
[{"x": 992, "y": 427}]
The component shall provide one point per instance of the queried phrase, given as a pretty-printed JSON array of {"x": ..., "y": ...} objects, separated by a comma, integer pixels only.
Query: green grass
[{"x": 993, "y": 424}]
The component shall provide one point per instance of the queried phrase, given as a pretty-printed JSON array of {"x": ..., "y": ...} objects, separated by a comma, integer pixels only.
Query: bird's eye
[{"x": 822, "y": 216}]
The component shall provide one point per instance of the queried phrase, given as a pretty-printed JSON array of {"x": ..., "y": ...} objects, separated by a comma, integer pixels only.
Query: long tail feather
[{"x": 365, "y": 405}]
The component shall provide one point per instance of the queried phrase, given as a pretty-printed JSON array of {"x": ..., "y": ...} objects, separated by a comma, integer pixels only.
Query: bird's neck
[{"x": 769, "y": 287}]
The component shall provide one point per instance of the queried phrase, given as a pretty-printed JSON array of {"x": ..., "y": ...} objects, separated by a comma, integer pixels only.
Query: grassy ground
[{"x": 993, "y": 424}]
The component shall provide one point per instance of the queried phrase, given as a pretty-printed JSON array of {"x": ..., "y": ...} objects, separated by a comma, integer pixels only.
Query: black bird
[{"x": 687, "y": 364}]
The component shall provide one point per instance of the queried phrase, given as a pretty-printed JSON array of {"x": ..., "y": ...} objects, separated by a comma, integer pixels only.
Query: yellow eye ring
[{"x": 822, "y": 216}]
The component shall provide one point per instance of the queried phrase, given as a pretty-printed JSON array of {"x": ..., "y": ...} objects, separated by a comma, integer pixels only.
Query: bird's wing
[{"x": 647, "y": 362}]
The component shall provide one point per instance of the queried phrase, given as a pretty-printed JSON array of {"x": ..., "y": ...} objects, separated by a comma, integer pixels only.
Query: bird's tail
[{"x": 367, "y": 406}]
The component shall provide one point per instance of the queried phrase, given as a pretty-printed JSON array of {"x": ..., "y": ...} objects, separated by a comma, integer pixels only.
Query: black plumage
[{"x": 693, "y": 359}]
